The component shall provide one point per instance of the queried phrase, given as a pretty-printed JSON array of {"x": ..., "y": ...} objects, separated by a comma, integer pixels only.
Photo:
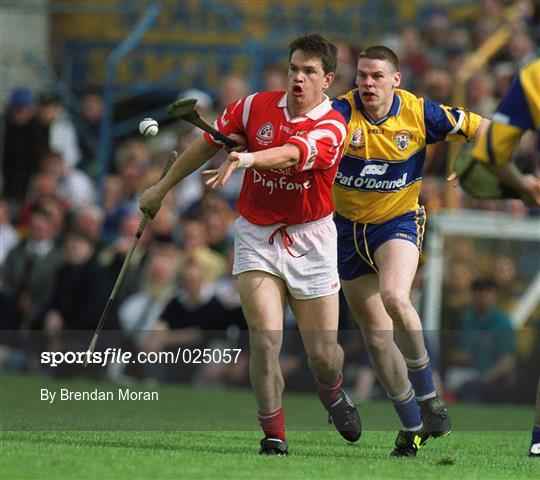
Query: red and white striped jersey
[{"x": 294, "y": 195}]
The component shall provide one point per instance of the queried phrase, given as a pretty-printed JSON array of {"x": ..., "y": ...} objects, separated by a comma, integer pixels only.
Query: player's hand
[
  {"x": 150, "y": 201},
  {"x": 240, "y": 140},
  {"x": 218, "y": 177},
  {"x": 531, "y": 190}
]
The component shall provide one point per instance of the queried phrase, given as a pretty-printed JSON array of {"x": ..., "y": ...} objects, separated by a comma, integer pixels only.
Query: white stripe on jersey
[
  {"x": 318, "y": 134},
  {"x": 337, "y": 124},
  {"x": 459, "y": 123},
  {"x": 247, "y": 109},
  {"x": 308, "y": 146}
]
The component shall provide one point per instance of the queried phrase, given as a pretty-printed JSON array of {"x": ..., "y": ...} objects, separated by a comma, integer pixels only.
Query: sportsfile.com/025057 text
[{"x": 187, "y": 356}]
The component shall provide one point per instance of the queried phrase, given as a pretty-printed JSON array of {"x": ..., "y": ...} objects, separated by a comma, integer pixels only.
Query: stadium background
[{"x": 112, "y": 63}]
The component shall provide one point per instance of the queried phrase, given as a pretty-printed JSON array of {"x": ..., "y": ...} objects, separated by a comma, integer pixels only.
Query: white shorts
[{"x": 308, "y": 265}]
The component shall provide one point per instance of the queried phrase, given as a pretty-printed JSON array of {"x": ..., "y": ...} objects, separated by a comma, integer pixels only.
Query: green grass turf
[{"x": 217, "y": 437}]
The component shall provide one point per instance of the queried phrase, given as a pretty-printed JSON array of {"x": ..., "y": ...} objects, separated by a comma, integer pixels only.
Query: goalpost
[{"x": 475, "y": 224}]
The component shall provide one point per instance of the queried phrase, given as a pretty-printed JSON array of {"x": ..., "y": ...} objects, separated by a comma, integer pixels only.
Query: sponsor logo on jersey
[
  {"x": 402, "y": 139},
  {"x": 367, "y": 183},
  {"x": 374, "y": 169},
  {"x": 281, "y": 183},
  {"x": 265, "y": 135},
  {"x": 357, "y": 139}
]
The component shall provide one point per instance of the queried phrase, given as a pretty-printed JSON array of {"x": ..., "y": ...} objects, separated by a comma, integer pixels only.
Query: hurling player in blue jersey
[
  {"x": 519, "y": 111},
  {"x": 380, "y": 231}
]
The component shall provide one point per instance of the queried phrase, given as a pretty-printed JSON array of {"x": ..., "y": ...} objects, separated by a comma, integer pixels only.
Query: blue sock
[
  {"x": 421, "y": 377},
  {"x": 407, "y": 409},
  {"x": 535, "y": 435}
]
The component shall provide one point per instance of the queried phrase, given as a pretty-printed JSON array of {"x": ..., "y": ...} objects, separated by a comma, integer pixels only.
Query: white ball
[{"x": 148, "y": 127}]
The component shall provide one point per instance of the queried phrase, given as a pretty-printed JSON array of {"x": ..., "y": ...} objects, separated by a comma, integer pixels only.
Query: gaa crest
[
  {"x": 402, "y": 139},
  {"x": 266, "y": 133},
  {"x": 357, "y": 139}
]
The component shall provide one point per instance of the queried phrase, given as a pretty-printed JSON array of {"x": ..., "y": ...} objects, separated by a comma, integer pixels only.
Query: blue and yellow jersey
[
  {"x": 518, "y": 111},
  {"x": 380, "y": 174}
]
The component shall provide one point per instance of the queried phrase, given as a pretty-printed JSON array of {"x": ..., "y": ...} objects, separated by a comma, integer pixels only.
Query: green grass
[{"x": 193, "y": 433}]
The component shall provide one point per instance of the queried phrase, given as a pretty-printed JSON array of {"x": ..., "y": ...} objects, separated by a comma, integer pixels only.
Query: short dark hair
[
  {"x": 380, "y": 52},
  {"x": 316, "y": 46}
]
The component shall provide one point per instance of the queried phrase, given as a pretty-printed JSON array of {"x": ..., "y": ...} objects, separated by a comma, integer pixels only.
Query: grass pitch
[{"x": 211, "y": 434}]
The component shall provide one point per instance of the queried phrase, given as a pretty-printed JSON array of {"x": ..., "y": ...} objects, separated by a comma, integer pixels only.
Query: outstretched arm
[
  {"x": 527, "y": 185},
  {"x": 193, "y": 157},
  {"x": 279, "y": 157}
]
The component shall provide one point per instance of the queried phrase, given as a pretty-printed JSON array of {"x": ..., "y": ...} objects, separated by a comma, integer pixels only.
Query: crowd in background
[{"x": 63, "y": 241}]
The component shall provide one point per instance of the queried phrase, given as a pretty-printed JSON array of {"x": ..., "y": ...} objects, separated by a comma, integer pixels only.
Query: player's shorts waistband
[{"x": 296, "y": 227}]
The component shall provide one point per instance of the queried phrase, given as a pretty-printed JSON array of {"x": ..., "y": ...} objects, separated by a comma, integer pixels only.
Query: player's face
[
  {"x": 376, "y": 80},
  {"x": 306, "y": 83}
]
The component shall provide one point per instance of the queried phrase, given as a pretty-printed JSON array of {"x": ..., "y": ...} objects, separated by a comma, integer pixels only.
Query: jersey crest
[
  {"x": 265, "y": 134},
  {"x": 402, "y": 139},
  {"x": 357, "y": 139}
]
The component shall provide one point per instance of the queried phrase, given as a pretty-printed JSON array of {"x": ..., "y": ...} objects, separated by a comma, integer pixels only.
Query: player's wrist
[{"x": 245, "y": 160}]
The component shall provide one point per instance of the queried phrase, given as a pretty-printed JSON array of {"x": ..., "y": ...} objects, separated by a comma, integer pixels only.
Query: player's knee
[
  {"x": 378, "y": 342},
  {"x": 265, "y": 346},
  {"x": 395, "y": 303},
  {"x": 323, "y": 357}
]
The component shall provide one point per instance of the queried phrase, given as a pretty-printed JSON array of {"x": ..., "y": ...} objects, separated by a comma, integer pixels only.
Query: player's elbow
[{"x": 291, "y": 156}]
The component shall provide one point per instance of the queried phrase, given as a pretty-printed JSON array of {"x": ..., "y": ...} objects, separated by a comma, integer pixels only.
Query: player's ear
[
  {"x": 396, "y": 80},
  {"x": 328, "y": 79}
]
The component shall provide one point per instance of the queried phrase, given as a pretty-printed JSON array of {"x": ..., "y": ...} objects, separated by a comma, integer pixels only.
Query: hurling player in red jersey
[{"x": 285, "y": 239}]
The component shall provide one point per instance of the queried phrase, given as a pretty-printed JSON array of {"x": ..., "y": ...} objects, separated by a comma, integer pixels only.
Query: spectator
[
  {"x": 414, "y": 60},
  {"x": 9, "y": 237},
  {"x": 480, "y": 94},
  {"x": 81, "y": 288},
  {"x": 139, "y": 313},
  {"x": 115, "y": 209},
  {"x": 233, "y": 87},
  {"x": 113, "y": 255},
  {"x": 218, "y": 231},
  {"x": 509, "y": 283},
  {"x": 56, "y": 131},
  {"x": 133, "y": 164},
  {"x": 92, "y": 110},
  {"x": 20, "y": 152},
  {"x": 43, "y": 185},
  {"x": 345, "y": 72},
  {"x": 521, "y": 50},
  {"x": 74, "y": 186},
  {"x": 195, "y": 248},
  {"x": 437, "y": 83},
  {"x": 89, "y": 219},
  {"x": 485, "y": 358},
  {"x": 274, "y": 78},
  {"x": 29, "y": 267},
  {"x": 503, "y": 74},
  {"x": 186, "y": 317}
]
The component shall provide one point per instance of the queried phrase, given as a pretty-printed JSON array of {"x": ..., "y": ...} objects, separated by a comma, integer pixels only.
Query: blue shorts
[{"x": 357, "y": 242}]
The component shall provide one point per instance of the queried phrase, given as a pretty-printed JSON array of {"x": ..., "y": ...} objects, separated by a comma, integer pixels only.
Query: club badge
[
  {"x": 402, "y": 139},
  {"x": 357, "y": 139},
  {"x": 266, "y": 133}
]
